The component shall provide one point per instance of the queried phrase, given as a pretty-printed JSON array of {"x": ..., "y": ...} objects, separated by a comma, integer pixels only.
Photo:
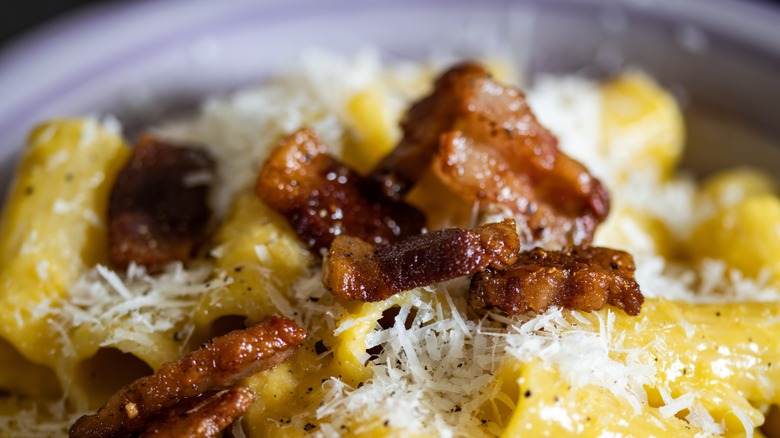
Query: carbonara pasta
[{"x": 701, "y": 358}]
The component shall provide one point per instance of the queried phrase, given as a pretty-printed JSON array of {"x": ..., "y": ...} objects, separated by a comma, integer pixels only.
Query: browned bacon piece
[
  {"x": 580, "y": 279},
  {"x": 158, "y": 211},
  {"x": 482, "y": 140},
  {"x": 422, "y": 126},
  {"x": 322, "y": 198},
  {"x": 355, "y": 270},
  {"x": 203, "y": 417},
  {"x": 219, "y": 364}
]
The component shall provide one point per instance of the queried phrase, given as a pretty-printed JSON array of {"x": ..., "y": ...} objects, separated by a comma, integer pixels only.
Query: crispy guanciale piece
[
  {"x": 355, "y": 270},
  {"x": 158, "y": 210},
  {"x": 422, "y": 126},
  {"x": 322, "y": 198},
  {"x": 482, "y": 140},
  {"x": 204, "y": 416},
  {"x": 579, "y": 279},
  {"x": 219, "y": 364}
]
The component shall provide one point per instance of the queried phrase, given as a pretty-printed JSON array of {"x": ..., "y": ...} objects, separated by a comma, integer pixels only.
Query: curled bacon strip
[
  {"x": 580, "y": 278},
  {"x": 322, "y": 198},
  {"x": 480, "y": 138},
  {"x": 219, "y": 364},
  {"x": 204, "y": 416},
  {"x": 355, "y": 270},
  {"x": 158, "y": 211}
]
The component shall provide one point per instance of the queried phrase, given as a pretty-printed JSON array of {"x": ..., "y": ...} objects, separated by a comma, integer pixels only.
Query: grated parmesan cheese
[
  {"x": 37, "y": 420},
  {"x": 429, "y": 378},
  {"x": 434, "y": 373},
  {"x": 239, "y": 131},
  {"x": 710, "y": 281},
  {"x": 134, "y": 306}
]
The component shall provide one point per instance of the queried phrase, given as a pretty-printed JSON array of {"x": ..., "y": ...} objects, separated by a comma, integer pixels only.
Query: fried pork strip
[
  {"x": 424, "y": 122},
  {"x": 356, "y": 270},
  {"x": 581, "y": 279},
  {"x": 158, "y": 211},
  {"x": 202, "y": 417},
  {"x": 480, "y": 138},
  {"x": 322, "y": 198},
  {"x": 219, "y": 364}
]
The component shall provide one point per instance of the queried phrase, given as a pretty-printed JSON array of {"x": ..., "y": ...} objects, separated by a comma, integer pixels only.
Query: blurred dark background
[{"x": 19, "y": 16}]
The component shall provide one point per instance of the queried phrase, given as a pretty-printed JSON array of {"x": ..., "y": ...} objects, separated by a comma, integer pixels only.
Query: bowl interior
[{"x": 136, "y": 61}]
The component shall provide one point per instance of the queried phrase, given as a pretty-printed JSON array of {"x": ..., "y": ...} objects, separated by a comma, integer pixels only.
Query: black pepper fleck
[
  {"x": 308, "y": 427},
  {"x": 320, "y": 347},
  {"x": 527, "y": 393}
]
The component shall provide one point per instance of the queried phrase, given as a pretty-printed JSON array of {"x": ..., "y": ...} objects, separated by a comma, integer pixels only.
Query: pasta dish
[{"x": 361, "y": 249}]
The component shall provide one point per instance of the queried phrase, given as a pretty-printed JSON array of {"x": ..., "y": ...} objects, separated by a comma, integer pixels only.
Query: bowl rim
[
  {"x": 749, "y": 26},
  {"x": 762, "y": 15}
]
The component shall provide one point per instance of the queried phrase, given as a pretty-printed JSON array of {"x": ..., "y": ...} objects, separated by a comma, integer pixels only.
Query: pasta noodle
[{"x": 51, "y": 229}]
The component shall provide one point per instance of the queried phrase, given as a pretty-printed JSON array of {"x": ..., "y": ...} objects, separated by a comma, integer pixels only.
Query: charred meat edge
[
  {"x": 480, "y": 138},
  {"x": 204, "y": 416},
  {"x": 322, "y": 198},
  {"x": 584, "y": 279},
  {"x": 356, "y": 270},
  {"x": 219, "y": 364},
  {"x": 158, "y": 210}
]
